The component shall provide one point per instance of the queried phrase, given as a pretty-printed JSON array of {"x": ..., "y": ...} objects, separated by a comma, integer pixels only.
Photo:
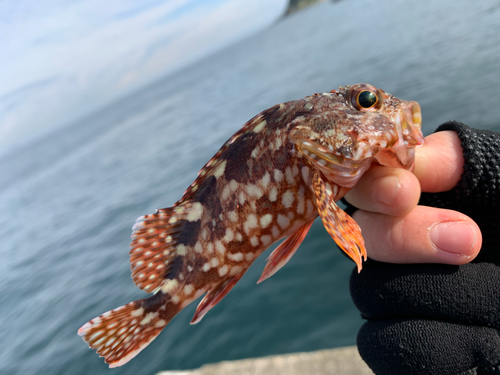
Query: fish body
[{"x": 269, "y": 181}]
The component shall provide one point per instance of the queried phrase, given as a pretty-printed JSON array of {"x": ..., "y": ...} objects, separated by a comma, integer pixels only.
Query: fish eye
[{"x": 366, "y": 99}]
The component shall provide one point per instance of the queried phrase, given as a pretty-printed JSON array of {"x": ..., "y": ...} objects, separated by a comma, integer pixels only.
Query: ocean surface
[{"x": 68, "y": 201}]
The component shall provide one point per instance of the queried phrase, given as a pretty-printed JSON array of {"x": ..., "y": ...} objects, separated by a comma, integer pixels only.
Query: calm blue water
[{"x": 67, "y": 203}]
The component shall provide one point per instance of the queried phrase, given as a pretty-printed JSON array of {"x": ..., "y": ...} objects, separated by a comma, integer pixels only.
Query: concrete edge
[{"x": 330, "y": 361}]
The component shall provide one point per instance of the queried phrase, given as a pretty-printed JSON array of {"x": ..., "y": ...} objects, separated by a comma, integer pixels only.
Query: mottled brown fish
[{"x": 269, "y": 181}]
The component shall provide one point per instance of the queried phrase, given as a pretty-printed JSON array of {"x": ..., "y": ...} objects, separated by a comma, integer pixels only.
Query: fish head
[{"x": 356, "y": 126}]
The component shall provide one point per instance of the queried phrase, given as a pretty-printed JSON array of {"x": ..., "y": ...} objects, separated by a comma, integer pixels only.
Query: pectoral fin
[
  {"x": 282, "y": 254},
  {"x": 341, "y": 227}
]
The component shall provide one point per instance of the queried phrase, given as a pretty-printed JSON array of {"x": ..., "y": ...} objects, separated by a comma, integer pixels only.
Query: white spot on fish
[
  {"x": 242, "y": 197},
  {"x": 219, "y": 170},
  {"x": 188, "y": 289},
  {"x": 206, "y": 267},
  {"x": 250, "y": 223},
  {"x": 176, "y": 299},
  {"x": 255, "y": 152},
  {"x": 181, "y": 250},
  {"x": 259, "y": 126},
  {"x": 210, "y": 248},
  {"x": 150, "y": 316},
  {"x": 160, "y": 323},
  {"x": 278, "y": 175},
  {"x": 249, "y": 256},
  {"x": 233, "y": 185},
  {"x": 214, "y": 262},
  {"x": 254, "y": 191},
  {"x": 137, "y": 312},
  {"x": 287, "y": 199},
  {"x": 265, "y": 180},
  {"x": 223, "y": 270},
  {"x": 278, "y": 143},
  {"x": 220, "y": 247},
  {"x": 273, "y": 194},
  {"x": 283, "y": 221},
  {"x": 233, "y": 216},
  {"x": 204, "y": 233},
  {"x": 229, "y": 235},
  {"x": 236, "y": 257},
  {"x": 266, "y": 220},
  {"x": 266, "y": 239},
  {"x": 198, "y": 248},
  {"x": 276, "y": 232},
  {"x": 239, "y": 237},
  {"x": 169, "y": 286},
  {"x": 254, "y": 241},
  {"x": 225, "y": 192},
  {"x": 301, "y": 203}
]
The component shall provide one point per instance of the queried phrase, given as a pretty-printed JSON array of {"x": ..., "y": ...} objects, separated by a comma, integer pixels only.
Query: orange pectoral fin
[
  {"x": 282, "y": 254},
  {"x": 341, "y": 227},
  {"x": 214, "y": 296}
]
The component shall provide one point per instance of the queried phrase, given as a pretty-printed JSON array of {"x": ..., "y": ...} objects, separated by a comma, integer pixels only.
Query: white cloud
[{"x": 61, "y": 59}]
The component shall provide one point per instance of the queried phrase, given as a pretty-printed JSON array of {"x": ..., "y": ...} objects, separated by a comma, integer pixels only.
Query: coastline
[{"x": 298, "y": 5}]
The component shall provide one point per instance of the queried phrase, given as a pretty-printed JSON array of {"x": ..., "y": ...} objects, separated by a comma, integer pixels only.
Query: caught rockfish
[{"x": 269, "y": 181}]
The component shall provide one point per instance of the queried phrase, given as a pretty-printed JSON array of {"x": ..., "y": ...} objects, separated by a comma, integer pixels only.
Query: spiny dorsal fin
[
  {"x": 211, "y": 166},
  {"x": 155, "y": 244}
]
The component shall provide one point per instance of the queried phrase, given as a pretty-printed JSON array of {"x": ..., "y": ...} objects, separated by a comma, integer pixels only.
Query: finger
[
  {"x": 391, "y": 191},
  {"x": 439, "y": 162},
  {"x": 426, "y": 235}
]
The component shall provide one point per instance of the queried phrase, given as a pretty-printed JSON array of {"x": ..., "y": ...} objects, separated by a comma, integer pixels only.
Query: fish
[{"x": 285, "y": 167}]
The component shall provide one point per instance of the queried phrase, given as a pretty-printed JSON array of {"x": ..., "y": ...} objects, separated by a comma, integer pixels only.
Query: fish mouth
[
  {"x": 408, "y": 123},
  {"x": 346, "y": 170}
]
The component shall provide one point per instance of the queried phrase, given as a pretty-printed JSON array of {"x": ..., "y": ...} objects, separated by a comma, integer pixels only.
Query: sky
[{"x": 62, "y": 59}]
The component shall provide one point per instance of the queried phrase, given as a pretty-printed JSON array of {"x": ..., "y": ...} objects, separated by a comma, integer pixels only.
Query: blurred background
[{"x": 109, "y": 109}]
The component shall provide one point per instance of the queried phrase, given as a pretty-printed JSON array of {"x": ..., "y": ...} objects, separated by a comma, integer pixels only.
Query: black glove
[{"x": 434, "y": 318}]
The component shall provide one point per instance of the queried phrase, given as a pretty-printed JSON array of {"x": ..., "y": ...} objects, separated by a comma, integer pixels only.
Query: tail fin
[{"x": 120, "y": 334}]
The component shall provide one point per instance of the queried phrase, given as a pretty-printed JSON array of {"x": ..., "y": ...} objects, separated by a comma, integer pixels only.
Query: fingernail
[
  {"x": 453, "y": 237},
  {"x": 385, "y": 189}
]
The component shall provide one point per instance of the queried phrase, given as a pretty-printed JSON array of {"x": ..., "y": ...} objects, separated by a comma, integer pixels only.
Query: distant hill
[{"x": 296, "y": 5}]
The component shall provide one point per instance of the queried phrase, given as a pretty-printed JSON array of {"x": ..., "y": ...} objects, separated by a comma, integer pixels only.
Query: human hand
[
  {"x": 432, "y": 318},
  {"x": 395, "y": 229}
]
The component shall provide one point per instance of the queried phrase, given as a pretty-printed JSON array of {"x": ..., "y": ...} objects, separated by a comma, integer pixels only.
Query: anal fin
[
  {"x": 282, "y": 254},
  {"x": 214, "y": 296},
  {"x": 341, "y": 227}
]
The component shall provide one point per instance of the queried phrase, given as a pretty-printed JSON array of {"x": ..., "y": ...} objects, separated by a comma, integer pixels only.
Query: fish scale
[{"x": 269, "y": 181}]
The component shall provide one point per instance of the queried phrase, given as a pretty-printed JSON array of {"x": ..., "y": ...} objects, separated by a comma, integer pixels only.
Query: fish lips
[{"x": 401, "y": 154}]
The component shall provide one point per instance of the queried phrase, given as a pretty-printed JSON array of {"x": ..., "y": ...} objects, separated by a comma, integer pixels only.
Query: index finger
[{"x": 439, "y": 162}]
